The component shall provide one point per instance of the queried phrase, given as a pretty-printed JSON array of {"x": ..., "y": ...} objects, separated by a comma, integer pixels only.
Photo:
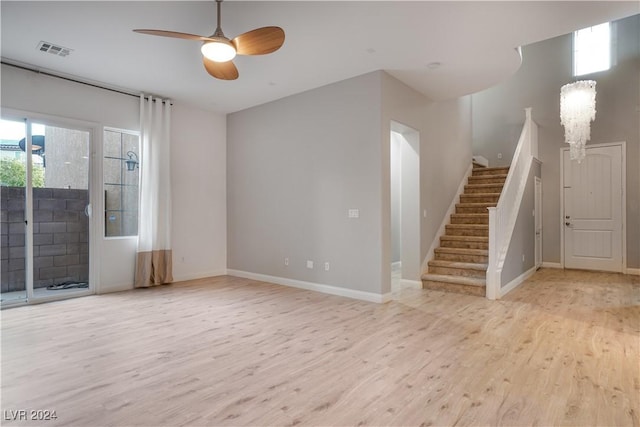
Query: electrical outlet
[
  {"x": 286, "y": 261},
  {"x": 522, "y": 257},
  {"x": 326, "y": 266},
  {"x": 309, "y": 264},
  {"x": 499, "y": 155}
]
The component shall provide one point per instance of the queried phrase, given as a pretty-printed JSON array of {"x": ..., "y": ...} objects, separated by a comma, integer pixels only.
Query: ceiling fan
[{"x": 218, "y": 51}]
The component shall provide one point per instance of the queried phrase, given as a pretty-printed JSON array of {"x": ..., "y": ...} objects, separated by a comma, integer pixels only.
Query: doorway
[
  {"x": 593, "y": 209},
  {"x": 538, "y": 221},
  {"x": 405, "y": 207},
  {"x": 45, "y": 210}
]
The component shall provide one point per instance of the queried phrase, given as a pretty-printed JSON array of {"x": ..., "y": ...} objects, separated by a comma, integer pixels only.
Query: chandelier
[{"x": 577, "y": 111}]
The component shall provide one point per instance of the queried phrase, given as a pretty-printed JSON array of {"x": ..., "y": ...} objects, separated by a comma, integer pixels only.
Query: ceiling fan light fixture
[{"x": 219, "y": 50}]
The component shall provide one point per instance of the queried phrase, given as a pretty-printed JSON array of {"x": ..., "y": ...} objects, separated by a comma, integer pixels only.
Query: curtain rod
[{"x": 33, "y": 70}]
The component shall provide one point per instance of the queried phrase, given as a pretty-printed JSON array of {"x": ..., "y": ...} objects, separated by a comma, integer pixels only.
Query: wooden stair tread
[
  {"x": 456, "y": 280},
  {"x": 466, "y": 238},
  {"x": 465, "y": 251},
  {"x": 457, "y": 264},
  {"x": 497, "y": 175},
  {"x": 471, "y": 215},
  {"x": 489, "y": 184},
  {"x": 471, "y": 226},
  {"x": 496, "y": 168},
  {"x": 475, "y": 204},
  {"x": 473, "y": 180},
  {"x": 489, "y": 179}
]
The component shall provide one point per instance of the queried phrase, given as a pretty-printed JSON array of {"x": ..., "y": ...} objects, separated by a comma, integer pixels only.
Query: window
[
  {"x": 121, "y": 173},
  {"x": 592, "y": 49}
]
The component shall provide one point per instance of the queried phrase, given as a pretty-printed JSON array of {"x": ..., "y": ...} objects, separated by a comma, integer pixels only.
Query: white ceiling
[{"x": 326, "y": 41}]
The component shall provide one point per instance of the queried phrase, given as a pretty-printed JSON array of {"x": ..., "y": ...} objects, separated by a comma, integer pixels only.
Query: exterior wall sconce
[
  {"x": 132, "y": 162},
  {"x": 37, "y": 146}
]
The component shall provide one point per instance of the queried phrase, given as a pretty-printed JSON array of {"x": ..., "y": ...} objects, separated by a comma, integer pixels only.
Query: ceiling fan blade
[
  {"x": 259, "y": 41},
  {"x": 173, "y": 34},
  {"x": 221, "y": 70}
]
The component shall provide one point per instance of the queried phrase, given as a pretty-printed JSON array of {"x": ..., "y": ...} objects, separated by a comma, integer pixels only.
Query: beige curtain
[{"x": 154, "y": 258}]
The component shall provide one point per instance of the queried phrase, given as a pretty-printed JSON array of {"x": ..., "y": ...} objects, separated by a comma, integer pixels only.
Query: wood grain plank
[{"x": 562, "y": 349}]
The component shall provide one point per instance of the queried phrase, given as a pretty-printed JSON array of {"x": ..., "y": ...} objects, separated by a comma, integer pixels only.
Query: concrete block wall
[{"x": 60, "y": 237}]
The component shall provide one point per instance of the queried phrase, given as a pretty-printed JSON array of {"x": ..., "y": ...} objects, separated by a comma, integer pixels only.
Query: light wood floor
[{"x": 562, "y": 349}]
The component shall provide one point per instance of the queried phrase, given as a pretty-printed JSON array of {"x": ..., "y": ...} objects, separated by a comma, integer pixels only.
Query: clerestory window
[{"x": 592, "y": 49}]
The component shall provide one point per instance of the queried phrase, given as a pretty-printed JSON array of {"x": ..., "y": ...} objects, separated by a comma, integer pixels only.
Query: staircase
[{"x": 460, "y": 263}]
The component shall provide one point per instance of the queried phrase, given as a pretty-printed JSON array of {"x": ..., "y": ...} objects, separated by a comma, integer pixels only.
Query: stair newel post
[
  {"x": 493, "y": 276},
  {"x": 532, "y": 133}
]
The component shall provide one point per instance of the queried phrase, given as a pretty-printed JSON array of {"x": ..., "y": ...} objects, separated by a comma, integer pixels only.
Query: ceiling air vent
[{"x": 53, "y": 49}]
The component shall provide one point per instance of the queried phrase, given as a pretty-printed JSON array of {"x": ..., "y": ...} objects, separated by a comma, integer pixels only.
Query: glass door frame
[{"x": 94, "y": 231}]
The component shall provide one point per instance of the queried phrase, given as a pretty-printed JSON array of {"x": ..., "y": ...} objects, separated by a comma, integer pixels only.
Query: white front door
[{"x": 592, "y": 218}]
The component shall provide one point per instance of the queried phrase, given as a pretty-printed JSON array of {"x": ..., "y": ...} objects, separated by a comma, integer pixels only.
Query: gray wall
[
  {"x": 522, "y": 239},
  {"x": 296, "y": 165},
  {"x": 498, "y": 115}
]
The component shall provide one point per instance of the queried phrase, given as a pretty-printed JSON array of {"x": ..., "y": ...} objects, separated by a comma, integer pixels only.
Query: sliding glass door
[
  {"x": 13, "y": 180},
  {"x": 45, "y": 211}
]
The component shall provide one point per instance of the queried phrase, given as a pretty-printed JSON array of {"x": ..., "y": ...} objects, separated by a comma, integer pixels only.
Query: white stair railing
[{"x": 502, "y": 218}]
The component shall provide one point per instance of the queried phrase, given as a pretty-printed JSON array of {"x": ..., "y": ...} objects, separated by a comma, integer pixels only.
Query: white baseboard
[
  {"x": 517, "y": 281},
  {"x": 633, "y": 271},
  {"x": 384, "y": 298},
  {"x": 310, "y": 286},
  {"x": 546, "y": 264},
  {"x": 445, "y": 219},
  {"x": 630, "y": 271},
  {"x": 414, "y": 284},
  {"x": 107, "y": 289},
  {"x": 193, "y": 276}
]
